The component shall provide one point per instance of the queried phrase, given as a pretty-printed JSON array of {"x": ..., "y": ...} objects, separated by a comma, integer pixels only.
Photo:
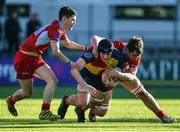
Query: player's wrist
[
  {"x": 70, "y": 62},
  {"x": 85, "y": 48}
]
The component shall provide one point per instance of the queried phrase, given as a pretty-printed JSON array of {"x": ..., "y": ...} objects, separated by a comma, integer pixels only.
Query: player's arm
[
  {"x": 133, "y": 70},
  {"x": 94, "y": 41},
  {"x": 77, "y": 76},
  {"x": 59, "y": 55},
  {"x": 133, "y": 67},
  {"x": 117, "y": 75},
  {"x": 73, "y": 45}
]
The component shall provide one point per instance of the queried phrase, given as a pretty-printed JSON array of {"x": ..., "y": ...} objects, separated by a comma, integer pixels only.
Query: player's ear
[{"x": 64, "y": 18}]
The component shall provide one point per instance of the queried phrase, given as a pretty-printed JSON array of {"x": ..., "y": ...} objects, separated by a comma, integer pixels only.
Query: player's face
[
  {"x": 69, "y": 22},
  {"x": 132, "y": 56},
  {"x": 105, "y": 56}
]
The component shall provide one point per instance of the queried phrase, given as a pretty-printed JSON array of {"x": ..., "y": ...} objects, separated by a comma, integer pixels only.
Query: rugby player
[
  {"x": 132, "y": 52},
  {"x": 89, "y": 74},
  {"x": 28, "y": 61}
]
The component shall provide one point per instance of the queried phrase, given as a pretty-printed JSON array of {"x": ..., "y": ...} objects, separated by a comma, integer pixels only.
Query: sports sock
[
  {"x": 160, "y": 114},
  {"x": 45, "y": 107},
  {"x": 11, "y": 100}
]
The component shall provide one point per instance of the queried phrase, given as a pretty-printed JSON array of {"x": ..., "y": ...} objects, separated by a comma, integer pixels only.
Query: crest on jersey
[
  {"x": 88, "y": 56},
  {"x": 57, "y": 36}
]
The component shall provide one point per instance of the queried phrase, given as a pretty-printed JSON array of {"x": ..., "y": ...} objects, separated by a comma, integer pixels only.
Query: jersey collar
[{"x": 124, "y": 49}]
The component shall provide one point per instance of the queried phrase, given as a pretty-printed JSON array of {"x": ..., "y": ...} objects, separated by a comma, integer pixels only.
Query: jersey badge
[{"x": 58, "y": 36}]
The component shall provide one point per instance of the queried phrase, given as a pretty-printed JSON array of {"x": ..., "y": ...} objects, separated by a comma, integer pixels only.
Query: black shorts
[{"x": 94, "y": 80}]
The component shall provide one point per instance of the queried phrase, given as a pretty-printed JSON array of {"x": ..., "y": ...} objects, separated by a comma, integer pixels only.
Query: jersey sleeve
[
  {"x": 133, "y": 66},
  {"x": 136, "y": 63},
  {"x": 87, "y": 56},
  {"x": 119, "y": 45},
  {"x": 54, "y": 35}
]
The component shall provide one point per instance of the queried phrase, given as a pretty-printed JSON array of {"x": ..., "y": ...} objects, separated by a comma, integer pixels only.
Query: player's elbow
[
  {"x": 69, "y": 45},
  {"x": 55, "y": 53}
]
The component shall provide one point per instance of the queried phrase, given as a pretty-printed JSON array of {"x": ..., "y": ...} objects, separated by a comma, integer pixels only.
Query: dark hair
[
  {"x": 105, "y": 45},
  {"x": 135, "y": 43},
  {"x": 66, "y": 11}
]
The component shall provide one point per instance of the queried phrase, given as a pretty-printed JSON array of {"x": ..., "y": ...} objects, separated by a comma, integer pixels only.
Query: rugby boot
[
  {"x": 80, "y": 115},
  {"x": 48, "y": 115},
  {"x": 63, "y": 108},
  {"x": 11, "y": 108},
  {"x": 167, "y": 119}
]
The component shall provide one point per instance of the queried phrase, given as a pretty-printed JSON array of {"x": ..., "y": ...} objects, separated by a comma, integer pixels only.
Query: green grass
[{"x": 126, "y": 113}]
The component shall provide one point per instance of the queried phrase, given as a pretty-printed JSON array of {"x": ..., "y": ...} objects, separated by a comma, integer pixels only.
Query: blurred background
[{"x": 156, "y": 21}]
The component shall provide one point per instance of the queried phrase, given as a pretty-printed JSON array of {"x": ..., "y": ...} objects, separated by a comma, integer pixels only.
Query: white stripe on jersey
[
  {"x": 41, "y": 29},
  {"x": 42, "y": 39}
]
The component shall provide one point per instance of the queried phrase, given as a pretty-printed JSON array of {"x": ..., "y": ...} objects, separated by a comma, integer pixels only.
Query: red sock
[
  {"x": 160, "y": 114},
  {"x": 11, "y": 100},
  {"x": 45, "y": 107}
]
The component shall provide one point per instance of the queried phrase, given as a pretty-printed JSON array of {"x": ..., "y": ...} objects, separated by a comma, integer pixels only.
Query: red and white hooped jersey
[
  {"x": 43, "y": 37},
  {"x": 121, "y": 46}
]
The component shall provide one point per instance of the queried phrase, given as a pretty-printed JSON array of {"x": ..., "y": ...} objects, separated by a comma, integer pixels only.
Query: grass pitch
[{"x": 126, "y": 113}]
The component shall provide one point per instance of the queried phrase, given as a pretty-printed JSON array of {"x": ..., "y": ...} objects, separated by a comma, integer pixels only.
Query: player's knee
[
  {"x": 53, "y": 82},
  {"x": 103, "y": 110},
  {"x": 143, "y": 94},
  {"x": 139, "y": 91},
  {"x": 102, "y": 113},
  {"x": 27, "y": 94}
]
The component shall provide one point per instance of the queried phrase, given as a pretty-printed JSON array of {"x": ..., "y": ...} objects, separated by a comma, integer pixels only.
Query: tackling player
[
  {"x": 28, "y": 61},
  {"x": 132, "y": 52}
]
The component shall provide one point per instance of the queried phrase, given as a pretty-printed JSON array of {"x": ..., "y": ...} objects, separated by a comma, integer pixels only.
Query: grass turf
[{"x": 126, "y": 113}]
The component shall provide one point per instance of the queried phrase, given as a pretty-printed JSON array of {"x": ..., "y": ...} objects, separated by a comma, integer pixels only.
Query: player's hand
[
  {"x": 91, "y": 89},
  {"x": 108, "y": 81},
  {"x": 108, "y": 73},
  {"x": 107, "y": 78},
  {"x": 104, "y": 78},
  {"x": 93, "y": 47},
  {"x": 90, "y": 47}
]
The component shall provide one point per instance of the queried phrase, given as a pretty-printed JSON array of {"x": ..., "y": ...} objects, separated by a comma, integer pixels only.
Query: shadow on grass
[
  {"x": 72, "y": 123},
  {"x": 158, "y": 92}
]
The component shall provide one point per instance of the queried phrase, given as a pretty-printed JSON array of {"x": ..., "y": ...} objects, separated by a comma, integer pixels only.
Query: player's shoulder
[
  {"x": 119, "y": 44},
  {"x": 87, "y": 56},
  {"x": 53, "y": 26}
]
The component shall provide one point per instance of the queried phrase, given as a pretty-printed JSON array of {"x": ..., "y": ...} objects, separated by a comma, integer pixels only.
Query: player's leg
[
  {"x": 139, "y": 91},
  {"x": 83, "y": 98},
  {"x": 45, "y": 73},
  {"x": 24, "y": 71},
  {"x": 25, "y": 91},
  {"x": 79, "y": 100},
  {"x": 100, "y": 108},
  {"x": 64, "y": 104}
]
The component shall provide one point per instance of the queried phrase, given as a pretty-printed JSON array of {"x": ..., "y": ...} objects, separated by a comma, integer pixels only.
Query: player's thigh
[
  {"x": 83, "y": 95},
  {"x": 45, "y": 73}
]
